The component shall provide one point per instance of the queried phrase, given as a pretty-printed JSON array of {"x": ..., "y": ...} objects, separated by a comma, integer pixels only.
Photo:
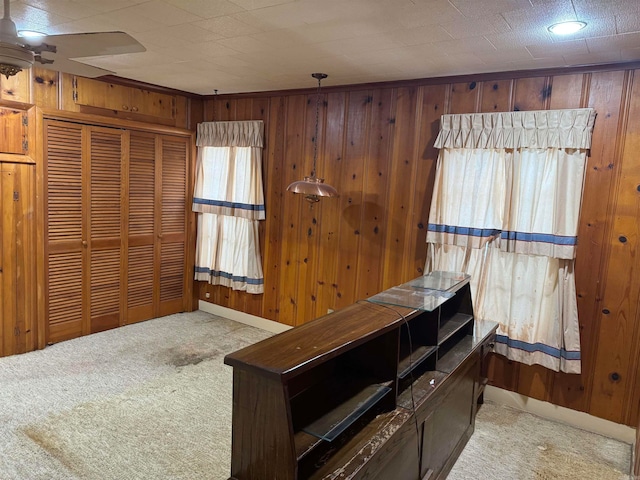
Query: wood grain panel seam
[
  {"x": 613, "y": 201},
  {"x": 410, "y": 220},
  {"x": 586, "y": 90}
]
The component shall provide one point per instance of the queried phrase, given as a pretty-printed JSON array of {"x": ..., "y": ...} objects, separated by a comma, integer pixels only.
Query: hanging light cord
[{"x": 315, "y": 138}]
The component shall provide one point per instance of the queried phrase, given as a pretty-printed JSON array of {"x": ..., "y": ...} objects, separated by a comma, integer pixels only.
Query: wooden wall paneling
[
  {"x": 532, "y": 93},
  {"x": 45, "y": 87},
  {"x": 430, "y": 103},
  {"x": 309, "y": 238},
  {"x": 569, "y": 91},
  {"x": 105, "y": 165},
  {"x": 36, "y": 137},
  {"x": 65, "y": 94},
  {"x": 292, "y": 204},
  {"x": 25, "y": 258},
  {"x": 329, "y": 223},
  {"x": 376, "y": 177},
  {"x": 63, "y": 230},
  {"x": 605, "y": 95},
  {"x": 196, "y": 113},
  {"x": 182, "y": 112},
  {"x": 16, "y": 88},
  {"x": 351, "y": 197},
  {"x": 613, "y": 375},
  {"x": 142, "y": 296},
  {"x": 401, "y": 189},
  {"x": 244, "y": 109},
  {"x": 497, "y": 96},
  {"x": 411, "y": 248},
  {"x": 311, "y": 214},
  {"x": 465, "y": 97},
  {"x": 223, "y": 110},
  {"x": 274, "y": 200},
  {"x": 192, "y": 288}
]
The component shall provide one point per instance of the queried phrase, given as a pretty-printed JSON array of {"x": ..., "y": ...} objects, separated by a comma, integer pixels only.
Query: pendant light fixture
[{"x": 313, "y": 187}]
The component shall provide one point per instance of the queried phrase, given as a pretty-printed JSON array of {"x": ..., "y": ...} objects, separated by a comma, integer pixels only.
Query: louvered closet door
[
  {"x": 106, "y": 247},
  {"x": 172, "y": 176},
  {"x": 83, "y": 170},
  {"x": 141, "y": 294},
  {"x": 64, "y": 227}
]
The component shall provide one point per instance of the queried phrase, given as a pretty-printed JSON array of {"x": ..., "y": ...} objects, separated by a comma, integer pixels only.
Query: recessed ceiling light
[
  {"x": 30, "y": 33},
  {"x": 566, "y": 28}
]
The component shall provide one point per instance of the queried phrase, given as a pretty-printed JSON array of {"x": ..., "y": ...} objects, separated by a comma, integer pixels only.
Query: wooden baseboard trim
[
  {"x": 247, "y": 319},
  {"x": 564, "y": 415}
]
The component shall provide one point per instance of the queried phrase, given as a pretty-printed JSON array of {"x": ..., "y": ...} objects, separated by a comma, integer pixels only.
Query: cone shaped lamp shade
[{"x": 313, "y": 187}]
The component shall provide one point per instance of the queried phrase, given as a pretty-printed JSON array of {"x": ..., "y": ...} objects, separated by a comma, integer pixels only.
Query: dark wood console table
[{"x": 375, "y": 390}]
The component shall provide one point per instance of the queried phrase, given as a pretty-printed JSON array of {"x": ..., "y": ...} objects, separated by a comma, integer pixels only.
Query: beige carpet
[
  {"x": 510, "y": 444},
  {"x": 153, "y": 401}
]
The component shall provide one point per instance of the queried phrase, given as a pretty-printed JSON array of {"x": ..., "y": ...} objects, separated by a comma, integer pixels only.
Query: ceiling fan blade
[
  {"x": 65, "y": 65},
  {"x": 77, "y": 45}
]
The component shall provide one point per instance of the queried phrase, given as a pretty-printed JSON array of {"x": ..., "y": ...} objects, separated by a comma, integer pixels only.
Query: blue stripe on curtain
[
  {"x": 235, "y": 278},
  {"x": 222, "y": 203},
  {"x": 538, "y": 347},
  {"x": 473, "y": 232},
  {"x": 539, "y": 237}
]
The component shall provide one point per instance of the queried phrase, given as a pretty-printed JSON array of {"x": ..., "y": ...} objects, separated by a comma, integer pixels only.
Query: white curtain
[
  {"x": 505, "y": 210},
  {"x": 229, "y": 200}
]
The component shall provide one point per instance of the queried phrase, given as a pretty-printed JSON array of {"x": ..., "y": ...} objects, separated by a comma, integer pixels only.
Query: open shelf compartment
[
  {"x": 336, "y": 421},
  {"x": 416, "y": 358},
  {"x": 459, "y": 321}
]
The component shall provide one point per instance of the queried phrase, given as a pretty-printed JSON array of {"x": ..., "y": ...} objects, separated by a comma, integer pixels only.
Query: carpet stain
[
  {"x": 553, "y": 463},
  {"x": 188, "y": 355},
  {"x": 49, "y": 444}
]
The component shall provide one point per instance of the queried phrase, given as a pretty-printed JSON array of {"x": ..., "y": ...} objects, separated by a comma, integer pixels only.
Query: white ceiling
[{"x": 257, "y": 45}]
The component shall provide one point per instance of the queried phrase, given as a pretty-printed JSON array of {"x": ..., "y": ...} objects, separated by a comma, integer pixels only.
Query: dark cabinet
[{"x": 382, "y": 389}]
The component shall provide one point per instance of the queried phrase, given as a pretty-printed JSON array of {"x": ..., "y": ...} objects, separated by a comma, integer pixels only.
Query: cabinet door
[
  {"x": 152, "y": 103},
  {"x": 63, "y": 231},
  {"x": 172, "y": 177},
  {"x": 109, "y": 96},
  {"x": 105, "y": 268},
  {"x": 18, "y": 265},
  {"x": 141, "y": 293},
  {"x": 13, "y": 131},
  {"x": 451, "y": 422},
  {"x": 94, "y": 93}
]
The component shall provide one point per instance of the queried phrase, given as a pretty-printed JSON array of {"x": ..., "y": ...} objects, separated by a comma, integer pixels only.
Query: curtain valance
[
  {"x": 511, "y": 130},
  {"x": 230, "y": 134}
]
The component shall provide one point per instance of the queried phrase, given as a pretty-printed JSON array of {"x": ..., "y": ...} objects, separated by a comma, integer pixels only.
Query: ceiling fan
[{"x": 55, "y": 52}]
